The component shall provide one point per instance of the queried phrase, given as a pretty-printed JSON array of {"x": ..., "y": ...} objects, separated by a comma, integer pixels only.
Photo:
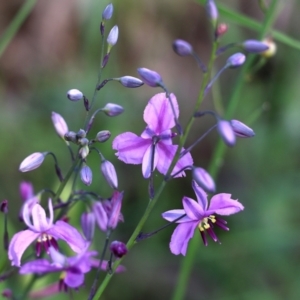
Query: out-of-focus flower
[
  {"x": 235, "y": 60},
  {"x": 74, "y": 95},
  {"x": 226, "y": 132},
  {"x": 272, "y": 48},
  {"x": 119, "y": 249},
  {"x": 212, "y": 12},
  {"x": 182, "y": 48},
  {"x": 112, "y": 37}
]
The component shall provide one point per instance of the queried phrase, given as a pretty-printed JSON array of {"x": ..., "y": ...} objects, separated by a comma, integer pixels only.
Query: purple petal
[
  {"x": 116, "y": 209},
  {"x": 192, "y": 208},
  {"x": 82, "y": 261},
  {"x": 26, "y": 190},
  {"x": 181, "y": 236},
  {"x": 201, "y": 195},
  {"x": 165, "y": 154},
  {"x": 74, "y": 278},
  {"x": 131, "y": 148},
  {"x": 39, "y": 266},
  {"x": 184, "y": 161},
  {"x": 174, "y": 214},
  {"x": 39, "y": 219},
  {"x": 158, "y": 113},
  {"x": 101, "y": 215},
  {"x": 19, "y": 244},
  {"x": 64, "y": 231},
  {"x": 222, "y": 204},
  {"x": 147, "y": 165}
]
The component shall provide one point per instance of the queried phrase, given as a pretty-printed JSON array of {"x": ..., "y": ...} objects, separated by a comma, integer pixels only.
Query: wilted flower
[{"x": 33, "y": 161}]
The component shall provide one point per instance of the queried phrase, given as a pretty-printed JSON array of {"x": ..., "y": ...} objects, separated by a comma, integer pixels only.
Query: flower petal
[
  {"x": 39, "y": 266},
  {"x": 222, "y": 204},
  {"x": 131, "y": 148},
  {"x": 181, "y": 236},
  {"x": 165, "y": 154},
  {"x": 64, "y": 231},
  {"x": 192, "y": 209},
  {"x": 174, "y": 214},
  {"x": 39, "y": 219},
  {"x": 18, "y": 245},
  {"x": 104, "y": 265},
  {"x": 101, "y": 215},
  {"x": 74, "y": 278},
  {"x": 158, "y": 113},
  {"x": 148, "y": 166},
  {"x": 184, "y": 161},
  {"x": 201, "y": 195}
]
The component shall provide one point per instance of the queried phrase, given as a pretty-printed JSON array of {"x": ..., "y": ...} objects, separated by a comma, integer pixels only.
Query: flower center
[
  {"x": 205, "y": 223},
  {"x": 45, "y": 241}
]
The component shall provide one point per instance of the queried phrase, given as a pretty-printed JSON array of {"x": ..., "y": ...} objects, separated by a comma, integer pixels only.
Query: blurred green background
[{"x": 58, "y": 48}]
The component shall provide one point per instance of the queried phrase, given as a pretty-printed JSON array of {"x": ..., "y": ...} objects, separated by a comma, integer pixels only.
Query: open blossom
[
  {"x": 199, "y": 215},
  {"x": 153, "y": 149},
  {"x": 44, "y": 231}
]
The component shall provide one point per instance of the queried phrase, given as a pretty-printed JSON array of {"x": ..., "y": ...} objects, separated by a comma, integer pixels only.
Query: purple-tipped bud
[
  {"x": 226, "y": 132},
  {"x": 112, "y": 37},
  {"x": 241, "y": 130},
  {"x": 203, "y": 179},
  {"x": 112, "y": 110},
  {"x": 130, "y": 82},
  {"x": 84, "y": 151},
  {"x": 86, "y": 175},
  {"x": 235, "y": 60},
  {"x": 182, "y": 48},
  {"x": 4, "y": 206},
  {"x": 88, "y": 225},
  {"x": 103, "y": 136},
  {"x": 107, "y": 12},
  {"x": 109, "y": 173},
  {"x": 71, "y": 136},
  {"x": 150, "y": 77},
  {"x": 81, "y": 134},
  {"x": 212, "y": 12},
  {"x": 254, "y": 46},
  {"x": 32, "y": 161},
  {"x": 74, "y": 95},
  {"x": 119, "y": 249},
  {"x": 60, "y": 124}
]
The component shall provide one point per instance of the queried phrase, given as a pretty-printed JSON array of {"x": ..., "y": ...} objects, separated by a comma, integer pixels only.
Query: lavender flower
[
  {"x": 28, "y": 197},
  {"x": 150, "y": 77},
  {"x": 33, "y": 161},
  {"x": 241, "y": 130},
  {"x": 88, "y": 225},
  {"x": 130, "y": 81},
  {"x": 212, "y": 11},
  {"x": 44, "y": 231},
  {"x": 203, "y": 179},
  {"x": 153, "y": 149},
  {"x": 107, "y": 12},
  {"x": 199, "y": 215},
  {"x": 235, "y": 60}
]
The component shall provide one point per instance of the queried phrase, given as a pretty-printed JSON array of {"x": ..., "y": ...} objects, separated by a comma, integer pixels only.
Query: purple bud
[
  {"x": 236, "y": 60},
  {"x": 100, "y": 215},
  {"x": 182, "y": 48},
  {"x": 104, "y": 63},
  {"x": 119, "y": 249},
  {"x": 60, "y": 124},
  {"x": 226, "y": 132},
  {"x": 86, "y": 175},
  {"x": 74, "y": 95},
  {"x": 114, "y": 216},
  {"x": 103, "y": 136},
  {"x": 71, "y": 136},
  {"x": 203, "y": 179},
  {"x": 83, "y": 142},
  {"x": 109, "y": 173},
  {"x": 84, "y": 151},
  {"x": 254, "y": 46},
  {"x": 112, "y": 110},
  {"x": 7, "y": 293},
  {"x": 241, "y": 130},
  {"x": 26, "y": 190},
  {"x": 212, "y": 11},
  {"x": 150, "y": 77},
  {"x": 88, "y": 225},
  {"x": 221, "y": 29},
  {"x": 113, "y": 36},
  {"x": 80, "y": 134},
  {"x": 130, "y": 82},
  {"x": 107, "y": 12},
  {"x": 4, "y": 206},
  {"x": 32, "y": 161}
]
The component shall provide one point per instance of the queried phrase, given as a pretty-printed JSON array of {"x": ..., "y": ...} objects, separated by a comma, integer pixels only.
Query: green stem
[
  {"x": 15, "y": 24},
  {"x": 188, "y": 261}
]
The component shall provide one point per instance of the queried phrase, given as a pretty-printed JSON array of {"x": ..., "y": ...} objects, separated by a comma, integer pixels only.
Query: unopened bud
[
  {"x": 203, "y": 179},
  {"x": 130, "y": 82},
  {"x": 84, "y": 151},
  {"x": 83, "y": 142},
  {"x": 112, "y": 110},
  {"x": 254, "y": 46},
  {"x": 226, "y": 132},
  {"x": 212, "y": 12},
  {"x": 60, "y": 124},
  {"x": 71, "y": 136},
  {"x": 4, "y": 206},
  {"x": 109, "y": 173},
  {"x": 103, "y": 136},
  {"x": 107, "y": 12},
  {"x": 119, "y": 249},
  {"x": 74, "y": 95},
  {"x": 241, "y": 130},
  {"x": 221, "y": 29},
  {"x": 182, "y": 48},
  {"x": 150, "y": 77},
  {"x": 112, "y": 37},
  {"x": 32, "y": 161},
  {"x": 88, "y": 225},
  {"x": 86, "y": 175},
  {"x": 81, "y": 134},
  {"x": 235, "y": 60}
]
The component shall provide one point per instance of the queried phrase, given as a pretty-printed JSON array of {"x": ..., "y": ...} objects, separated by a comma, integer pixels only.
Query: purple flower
[
  {"x": 33, "y": 161},
  {"x": 153, "y": 149},
  {"x": 46, "y": 233},
  {"x": 27, "y": 195},
  {"x": 199, "y": 214}
]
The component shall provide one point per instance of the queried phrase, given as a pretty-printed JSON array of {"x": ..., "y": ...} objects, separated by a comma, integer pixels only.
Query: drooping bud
[
  {"x": 112, "y": 37},
  {"x": 71, "y": 136},
  {"x": 119, "y": 249},
  {"x": 86, "y": 175},
  {"x": 84, "y": 151},
  {"x": 32, "y": 161},
  {"x": 212, "y": 12},
  {"x": 4, "y": 206},
  {"x": 107, "y": 12},
  {"x": 241, "y": 130},
  {"x": 235, "y": 60},
  {"x": 112, "y": 110},
  {"x": 60, "y": 124},
  {"x": 150, "y": 77},
  {"x": 130, "y": 81},
  {"x": 226, "y": 132},
  {"x": 109, "y": 173},
  {"x": 254, "y": 46},
  {"x": 203, "y": 179},
  {"x": 88, "y": 225},
  {"x": 74, "y": 95},
  {"x": 182, "y": 48},
  {"x": 272, "y": 48},
  {"x": 103, "y": 136}
]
